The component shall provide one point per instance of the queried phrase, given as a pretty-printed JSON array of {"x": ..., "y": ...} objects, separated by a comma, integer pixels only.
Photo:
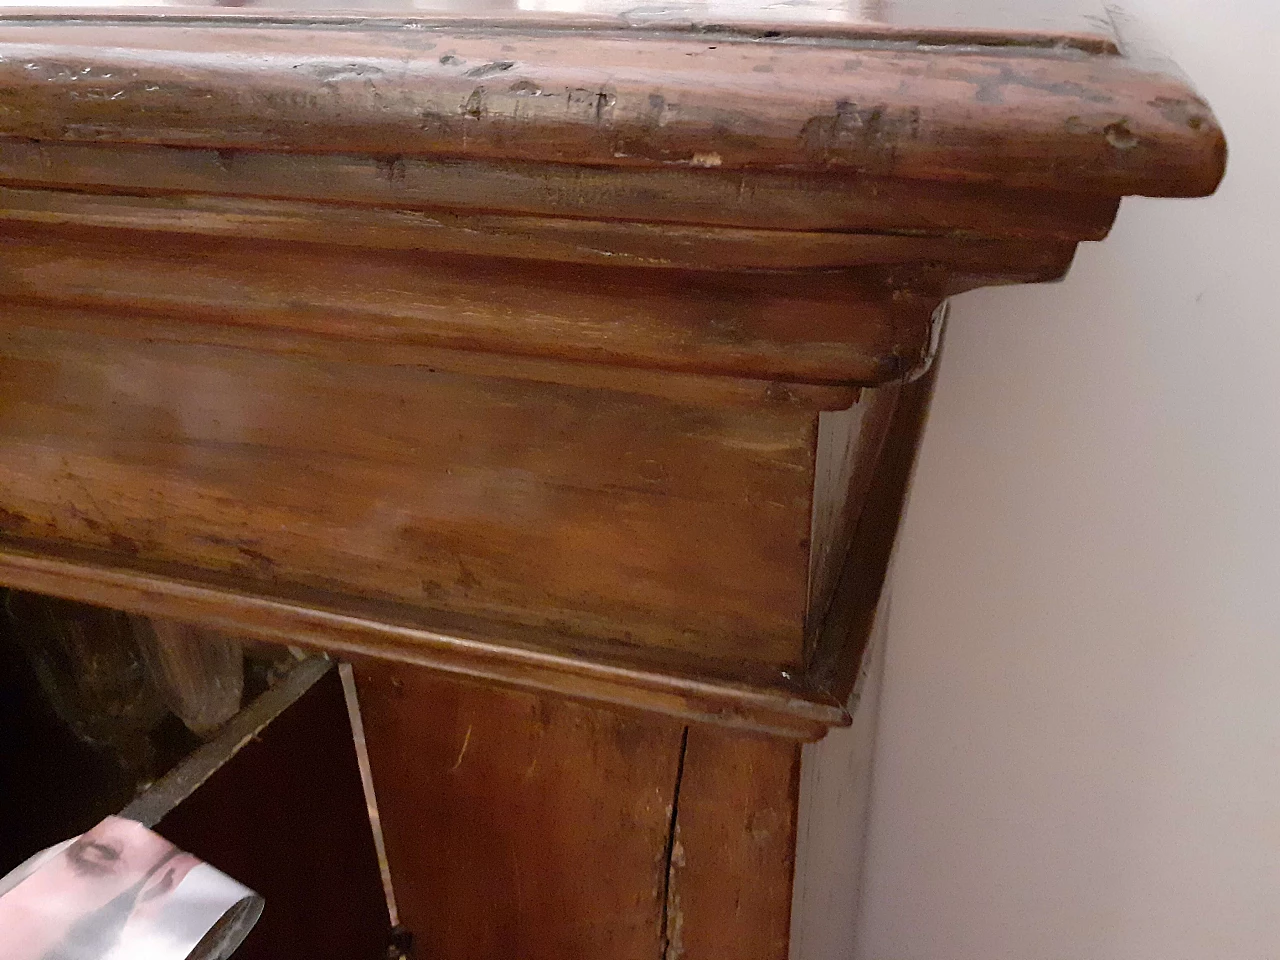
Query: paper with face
[{"x": 121, "y": 892}]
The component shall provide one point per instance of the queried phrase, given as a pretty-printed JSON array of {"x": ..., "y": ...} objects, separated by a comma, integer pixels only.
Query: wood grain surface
[
  {"x": 525, "y": 826},
  {"x": 760, "y": 199},
  {"x": 839, "y": 647},
  {"x": 650, "y": 523},
  {"x": 517, "y": 825},
  {"x": 562, "y": 239},
  {"x": 848, "y": 455},
  {"x": 513, "y": 354},
  {"x": 821, "y": 326},
  {"x": 732, "y": 694},
  {"x": 1057, "y": 120},
  {"x": 734, "y": 856},
  {"x": 522, "y": 345}
]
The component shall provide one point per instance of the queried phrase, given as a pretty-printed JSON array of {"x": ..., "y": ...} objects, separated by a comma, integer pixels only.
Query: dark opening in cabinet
[{"x": 272, "y": 795}]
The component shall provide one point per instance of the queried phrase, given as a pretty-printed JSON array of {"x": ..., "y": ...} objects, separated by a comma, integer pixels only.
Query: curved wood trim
[
  {"x": 558, "y": 239},
  {"x": 756, "y": 199},
  {"x": 1055, "y": 120},
  {"x": 775, "y": 711}
]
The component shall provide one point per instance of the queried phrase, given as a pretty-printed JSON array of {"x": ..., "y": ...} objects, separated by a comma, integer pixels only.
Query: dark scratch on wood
[{"x": 671, "y": 845}]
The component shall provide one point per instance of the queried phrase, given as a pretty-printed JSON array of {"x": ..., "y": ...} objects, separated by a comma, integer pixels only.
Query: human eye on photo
[{"x": 94, "y": 858}]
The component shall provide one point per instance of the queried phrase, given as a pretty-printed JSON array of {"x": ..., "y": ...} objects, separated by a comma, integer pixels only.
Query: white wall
[{"x": 1079, "y": 744}]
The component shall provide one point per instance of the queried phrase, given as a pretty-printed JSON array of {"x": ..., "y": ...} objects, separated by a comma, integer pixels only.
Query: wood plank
[
  {"x": 557, "y": 239},
  {"x": 647, "y": 523},
  {"x": 734, "y": 694},
  {"x": 729, "y": 894},
  {"x": 519, "y": 826},
  {"x": 526, "y": 826},
  {"x": 834, "y": 327},
  {"x": 1087, "y": 124},
  {"x": 748, "y": 198},
  {"x": 739, "y": 393}
]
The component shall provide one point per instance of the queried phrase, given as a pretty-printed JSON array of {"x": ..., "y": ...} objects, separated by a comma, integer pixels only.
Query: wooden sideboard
[{"x": 563, "y": 370}]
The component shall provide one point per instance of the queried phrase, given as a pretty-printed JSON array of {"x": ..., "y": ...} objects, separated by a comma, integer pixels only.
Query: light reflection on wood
[{"x": 1077, "y": 17}]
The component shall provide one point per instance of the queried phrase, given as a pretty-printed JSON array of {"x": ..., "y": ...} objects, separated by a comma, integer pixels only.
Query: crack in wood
[{"x": 670, "y": 850}]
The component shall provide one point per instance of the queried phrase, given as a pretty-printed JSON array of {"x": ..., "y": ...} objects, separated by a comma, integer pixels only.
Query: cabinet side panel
[{"x": 849, "y": 444}]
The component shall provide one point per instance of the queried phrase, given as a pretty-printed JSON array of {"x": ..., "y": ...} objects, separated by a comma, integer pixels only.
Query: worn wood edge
[
  {"x": 791, "y": 714},
  {"x": 158, "y": 800},
  {"x": 850, "y": 619},
  {"x": 756, "y": 199},
  {"x": 1091, "y": 124},
  {"x": 640, "y": 21},
  {"x": 556, "y": 239}
]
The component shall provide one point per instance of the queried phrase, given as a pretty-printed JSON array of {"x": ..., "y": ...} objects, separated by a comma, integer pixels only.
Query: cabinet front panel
[{"x": 640, "y": 520}]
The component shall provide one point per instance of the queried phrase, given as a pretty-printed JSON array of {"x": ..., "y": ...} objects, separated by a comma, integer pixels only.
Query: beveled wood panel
[
  {"x": 848, "y": 453},
  {"x": 688, "y": 388},
  {"x": 557, "y": 239},
  {"x": 1056, "y": 120},
  {"x": 736, "y": 694},
  {"x": 741, "y": 198},
  {"x": 840, "y": 644},
  {"x": 821, "y": 326},
  {"x": 646, "y": 522}
]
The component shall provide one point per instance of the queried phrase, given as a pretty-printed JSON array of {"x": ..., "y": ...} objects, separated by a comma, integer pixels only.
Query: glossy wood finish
[
  {"x": 517, "y": 825},
  {"x": 565, "y": 240},
  {"x": 733, "y": 859},
  {"x": 759, "y": 199},
  {"x": 763, "y": 701},
  {"x": 848, "y": 453},
  {"x": 842, "y": 327}
]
